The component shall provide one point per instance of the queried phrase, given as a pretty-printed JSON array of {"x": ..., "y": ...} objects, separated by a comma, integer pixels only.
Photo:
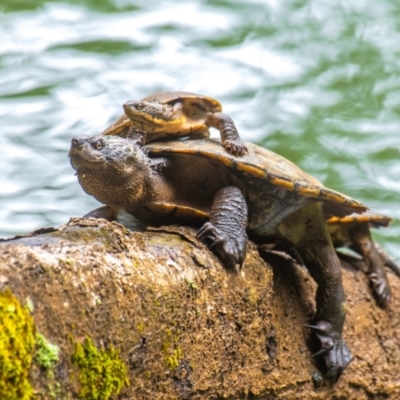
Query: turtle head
[
  {"x": 110, "y": 168},
  {"x": 105, "y": 152},
  {"x": 149, "y": 116}
]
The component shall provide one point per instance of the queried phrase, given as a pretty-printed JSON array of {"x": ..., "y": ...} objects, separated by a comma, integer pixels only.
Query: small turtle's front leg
[
  {"x": 229, "y": 134},
  {"x": 364, "y": 245},
  {"x": 225, "y": 233}
]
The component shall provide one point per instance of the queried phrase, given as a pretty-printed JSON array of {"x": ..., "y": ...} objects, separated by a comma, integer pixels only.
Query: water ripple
[{"x": 315, "y": 81}]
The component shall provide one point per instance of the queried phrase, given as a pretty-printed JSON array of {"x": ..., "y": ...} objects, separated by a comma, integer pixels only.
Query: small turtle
[
  {"x": 260, "y": 192},
  {"x": 353, "y": 231},
  {"x": 168, "y": 115}
]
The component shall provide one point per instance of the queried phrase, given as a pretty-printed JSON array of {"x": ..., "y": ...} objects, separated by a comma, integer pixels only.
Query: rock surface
[{"x": 175, "y": 324}]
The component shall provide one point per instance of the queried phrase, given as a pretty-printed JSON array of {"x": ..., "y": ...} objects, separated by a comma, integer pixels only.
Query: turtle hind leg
[
  {"x": 363, "y": 243},
  {"x": 225, "y": 232},
  {"x": 307, "y": 230},
  {"x": 388, "y": 261},
  {"x": 229, "y": 134},
  {"x": 334, "y": 350},
  {"x": 324, "y": 266}
]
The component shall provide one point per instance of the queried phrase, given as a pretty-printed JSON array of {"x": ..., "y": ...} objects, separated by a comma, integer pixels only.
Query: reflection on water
[{"x": 315, "y": 81}]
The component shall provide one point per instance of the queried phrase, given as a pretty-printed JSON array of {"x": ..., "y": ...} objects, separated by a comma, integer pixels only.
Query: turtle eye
[
  {"x": 98, "y": 144},
  {"x": 139, "y": 106}
]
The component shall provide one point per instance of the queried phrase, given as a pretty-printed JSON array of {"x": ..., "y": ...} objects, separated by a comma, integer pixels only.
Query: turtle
[
  {"x": 168, "y": 115},
  {"x": 227, "y": 197},
  {"x": 353, "y": 231}
]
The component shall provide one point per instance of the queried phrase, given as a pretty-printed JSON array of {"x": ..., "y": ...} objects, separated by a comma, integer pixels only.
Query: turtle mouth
[
  {"x": 147, "y": 114},
  {"x": 79, "y": 163}
]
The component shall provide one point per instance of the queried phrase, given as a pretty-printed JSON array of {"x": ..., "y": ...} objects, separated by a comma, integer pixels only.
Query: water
[{"x": 316, "y": 81}]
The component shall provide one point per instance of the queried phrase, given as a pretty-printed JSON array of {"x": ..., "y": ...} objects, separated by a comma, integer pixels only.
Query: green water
[{"x": 316, "y": 81}]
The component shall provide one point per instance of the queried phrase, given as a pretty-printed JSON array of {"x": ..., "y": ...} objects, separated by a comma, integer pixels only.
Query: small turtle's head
[
  {"x": 108, "y": 167},
  {"x": 148, "y": 116}
]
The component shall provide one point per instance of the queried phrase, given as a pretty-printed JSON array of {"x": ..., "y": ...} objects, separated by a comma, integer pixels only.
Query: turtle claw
[
  {"x": 315, "y": 328},
  {"x": 228, "y": 249},
  {"x": 336, "y": 355},
  {"x": 381, "y": 289},
  {"x": 235, "y": 146},
  {"x": 319, "y": 353}
]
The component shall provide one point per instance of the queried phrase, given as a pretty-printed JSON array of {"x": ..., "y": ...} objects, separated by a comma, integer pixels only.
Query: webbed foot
[
  {"x": 381, "y": 288},
  {"x": 334, "y": 351},
  {"x": 232, "y": 250},
  {"x": 235, "y": 146}
]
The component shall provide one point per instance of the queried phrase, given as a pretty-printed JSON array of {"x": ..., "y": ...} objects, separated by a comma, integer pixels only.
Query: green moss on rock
[
  {"x": 46, "y": 352},
  {"x": 17, "y": 343},
  {"x": 101, "y": 372},
  {"x": 170, "y": 348}
]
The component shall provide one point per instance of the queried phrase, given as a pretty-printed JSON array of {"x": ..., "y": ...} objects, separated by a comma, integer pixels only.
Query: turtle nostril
[
  {"x": 130, "y": 104},
  {"x": 77, "y": 143}
]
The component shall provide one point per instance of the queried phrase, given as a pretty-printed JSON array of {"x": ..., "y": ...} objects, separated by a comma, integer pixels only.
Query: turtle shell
[
  {"x": 192, "y": 105},
  {"x": 373, "y": 219},
  {"x": 205, "y": 102},
  {"x": 275, "y": 187}
]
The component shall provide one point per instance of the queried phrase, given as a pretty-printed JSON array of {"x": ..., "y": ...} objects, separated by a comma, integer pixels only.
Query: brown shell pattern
[
  {"x": 374, "y": 219},
  {"x": 259, "y": 164},
  {"x": 207, "y": 103}
]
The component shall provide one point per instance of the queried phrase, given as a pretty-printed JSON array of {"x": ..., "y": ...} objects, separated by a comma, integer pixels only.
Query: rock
[{"x": 154, "y": 315}]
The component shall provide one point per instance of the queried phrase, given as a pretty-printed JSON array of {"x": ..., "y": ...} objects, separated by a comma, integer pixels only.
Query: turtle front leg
[
  {"x": 229, "y": 134},
  {"x": 122, "y": 216},
  {"x": 101, "y": 212},
  {"x": 225, "y": 233},
  {"x": 363, "y": 243}
]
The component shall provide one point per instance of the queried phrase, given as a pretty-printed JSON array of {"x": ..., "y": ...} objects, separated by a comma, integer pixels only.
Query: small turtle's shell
[
  {"x": 193, "y": 106},
  {"x": 187, "y": 98},
  {"x": 275, "y": 187}
]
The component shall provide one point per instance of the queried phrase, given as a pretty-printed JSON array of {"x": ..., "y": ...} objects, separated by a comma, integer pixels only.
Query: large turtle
[
  {"x": 197, "y": 182},
  {"x": 167, "y": 115},
  {"x": 353, "y": 231}
]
